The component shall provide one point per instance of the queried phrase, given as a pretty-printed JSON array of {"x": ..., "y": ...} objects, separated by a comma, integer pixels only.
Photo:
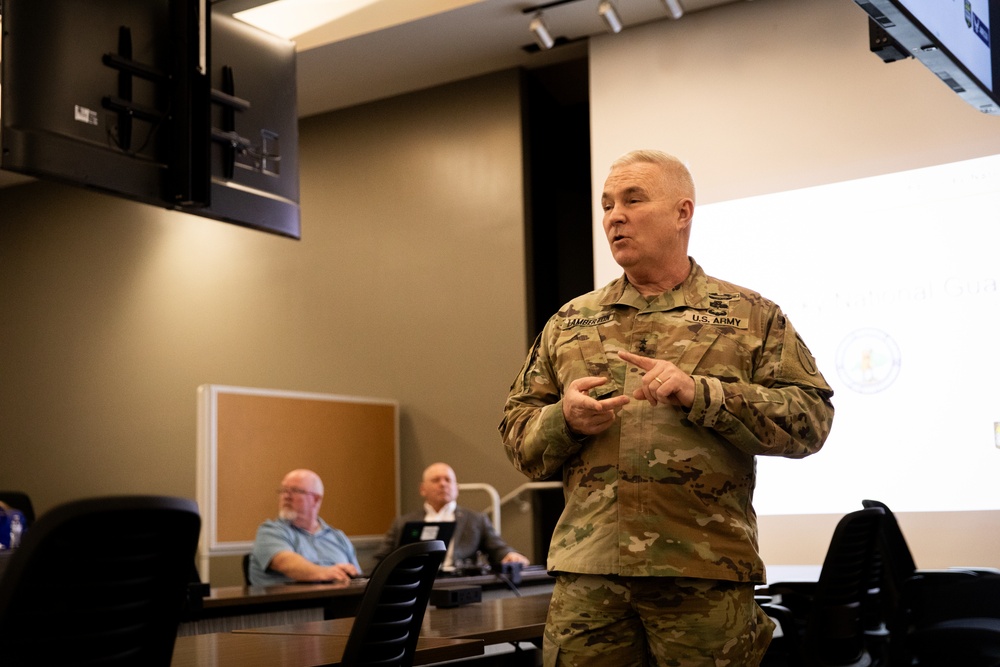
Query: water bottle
[{"x": 16, "y": 528}]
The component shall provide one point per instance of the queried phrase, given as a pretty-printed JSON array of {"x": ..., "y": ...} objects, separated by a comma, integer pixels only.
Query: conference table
[
  {"x": 496, "y": 621},
  {"x": 241, "y": 607},
  {"x": 233, "y": 649},
  {"x": 232, "y": 607},
  {"x": 447, "y": 634}
]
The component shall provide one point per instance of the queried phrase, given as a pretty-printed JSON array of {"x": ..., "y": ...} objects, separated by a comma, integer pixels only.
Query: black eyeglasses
[{"x": 295, "y": 491}]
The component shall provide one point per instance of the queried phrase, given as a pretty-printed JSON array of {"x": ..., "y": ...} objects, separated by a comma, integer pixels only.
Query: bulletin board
[{"x": 249, "y": 438}]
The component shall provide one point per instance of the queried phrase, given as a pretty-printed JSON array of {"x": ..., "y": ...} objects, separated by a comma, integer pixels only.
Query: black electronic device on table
[{"x": 422, "y": 531}]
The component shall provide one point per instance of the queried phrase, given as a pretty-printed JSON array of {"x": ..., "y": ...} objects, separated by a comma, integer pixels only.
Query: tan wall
[
  {"x": 772, "y": 95},
  {"x": 408, "y": 281},
  {"x": 408, "y": 284}
]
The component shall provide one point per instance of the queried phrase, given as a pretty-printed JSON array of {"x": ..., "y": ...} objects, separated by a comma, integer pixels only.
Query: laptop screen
[{"x": 422, "y": 531}]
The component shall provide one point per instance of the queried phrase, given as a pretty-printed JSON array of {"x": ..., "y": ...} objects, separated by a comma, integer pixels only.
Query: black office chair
[
  {"x": 388, "y": 621},
  {"x": 100, "y": 581},
  {"x": 245, "y": 562},
  {"x": 20, "y": 501},
  {"x": 821, "y": 621},
  {"x": 936, "y": 618}
]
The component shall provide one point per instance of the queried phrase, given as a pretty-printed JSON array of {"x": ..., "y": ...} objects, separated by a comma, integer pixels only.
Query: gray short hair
[{"x": 672, "y": 167}]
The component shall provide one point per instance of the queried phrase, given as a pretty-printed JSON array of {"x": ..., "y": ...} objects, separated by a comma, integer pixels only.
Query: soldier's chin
[{"x": 287, "y": 515}]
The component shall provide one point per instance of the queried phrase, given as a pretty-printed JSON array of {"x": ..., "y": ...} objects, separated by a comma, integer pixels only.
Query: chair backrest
[
  {"x": 245, "y": 562},
  {"x": 388, "y": 621},
  {"x": 100, "y": 581},
  {"x": 19, "y": 500},
  {"x": 834, "y": 633},
  {"x": 895, "y": 551},
  {"x": 944, "y": 617},
  {"x": 894, "y": 565}
]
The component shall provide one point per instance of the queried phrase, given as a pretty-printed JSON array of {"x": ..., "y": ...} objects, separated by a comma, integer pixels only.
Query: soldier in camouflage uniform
[{"x": 651, "y": 397}]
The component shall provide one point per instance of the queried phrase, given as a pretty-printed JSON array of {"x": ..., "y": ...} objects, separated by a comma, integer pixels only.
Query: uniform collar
[{"x": 692, "y": 293}]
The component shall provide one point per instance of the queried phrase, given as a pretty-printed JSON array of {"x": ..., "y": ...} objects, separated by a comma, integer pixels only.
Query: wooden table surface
[
  {"x": 232, "y": 649},
  {"x": 249, "y": 596},
  {"x": 495, "y": 621}
]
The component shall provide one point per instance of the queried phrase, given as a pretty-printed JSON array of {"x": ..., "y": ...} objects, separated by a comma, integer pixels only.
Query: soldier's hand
[
  {"x": 586, "y": 415},
  {"x": 662, "y": 382}
]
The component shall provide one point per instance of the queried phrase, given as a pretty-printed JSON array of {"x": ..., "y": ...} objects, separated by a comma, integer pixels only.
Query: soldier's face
[{"x": 641, "y": 216}]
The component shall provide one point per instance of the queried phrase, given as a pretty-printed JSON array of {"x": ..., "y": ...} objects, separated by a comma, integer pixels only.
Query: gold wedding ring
[{"x": 658, "y": 380}]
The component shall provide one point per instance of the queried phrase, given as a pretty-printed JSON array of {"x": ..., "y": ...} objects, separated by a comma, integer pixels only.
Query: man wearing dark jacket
[{"x": 474, "y": 533}]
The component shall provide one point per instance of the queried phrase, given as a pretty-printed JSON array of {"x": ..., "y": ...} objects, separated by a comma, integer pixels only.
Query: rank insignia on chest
[{"x": 720, "y": 303}]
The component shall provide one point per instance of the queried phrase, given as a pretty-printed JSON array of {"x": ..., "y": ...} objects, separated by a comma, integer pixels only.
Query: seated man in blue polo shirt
[{"x": 298, "y": 545}]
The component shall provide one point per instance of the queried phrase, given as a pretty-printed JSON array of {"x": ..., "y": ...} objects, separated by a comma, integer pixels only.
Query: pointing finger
[
  {"x": 585, "y": 384},
  {"x": 645, "y": 363}
]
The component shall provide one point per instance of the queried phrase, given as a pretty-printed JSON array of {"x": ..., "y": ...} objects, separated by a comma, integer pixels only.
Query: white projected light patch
[{"x": 892, "y": 281}]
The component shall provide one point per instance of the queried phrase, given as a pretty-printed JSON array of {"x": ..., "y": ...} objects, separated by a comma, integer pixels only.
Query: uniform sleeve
[
  {"x": 785, "y": 411},
  {"x": 534, "y": 431}
]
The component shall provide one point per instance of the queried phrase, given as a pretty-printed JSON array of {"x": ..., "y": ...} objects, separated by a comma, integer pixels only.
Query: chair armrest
[
  {"x": 786, "y": 644},
  {"x": 981, "y": 571},
  {"x": 794, "y": 595},
  {"x": 961, "y": 571},
  {"x": 785, "y": 619},
  {"x": 939, "y": 595}
]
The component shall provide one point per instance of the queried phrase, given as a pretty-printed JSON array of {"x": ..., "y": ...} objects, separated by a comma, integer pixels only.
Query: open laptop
[{"x": 422, "y": 531}]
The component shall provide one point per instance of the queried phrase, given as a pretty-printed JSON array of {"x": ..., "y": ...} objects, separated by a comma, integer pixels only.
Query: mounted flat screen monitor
[
  {"x": 57, "y": 94},
  {"x": 254, "y": 127},
  {"x": 952, "y": 38},
  {"x": 153, "y": 101}
]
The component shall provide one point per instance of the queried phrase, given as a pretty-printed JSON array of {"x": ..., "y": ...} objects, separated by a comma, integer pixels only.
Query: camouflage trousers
[{"x": 664, "y": 621}]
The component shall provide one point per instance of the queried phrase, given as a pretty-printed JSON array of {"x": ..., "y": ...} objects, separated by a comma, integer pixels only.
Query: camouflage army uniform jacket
[{"x": 666, "y": 491}]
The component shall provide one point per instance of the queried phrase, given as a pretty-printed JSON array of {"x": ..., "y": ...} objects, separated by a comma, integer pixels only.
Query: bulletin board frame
[{"x": 249, "y": 438}]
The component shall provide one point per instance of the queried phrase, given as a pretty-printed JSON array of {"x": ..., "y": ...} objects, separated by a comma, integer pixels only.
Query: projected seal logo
[{"x": 868, "y": 361}]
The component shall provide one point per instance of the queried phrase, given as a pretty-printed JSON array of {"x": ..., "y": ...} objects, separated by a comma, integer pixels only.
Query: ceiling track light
[
  {"x": 610, "y": 16},
  {"x": 675, "y": 9},
  {"x": 541, "y": 32}
]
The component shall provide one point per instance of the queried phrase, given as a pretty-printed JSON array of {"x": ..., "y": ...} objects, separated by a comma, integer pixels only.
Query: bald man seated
[
  {"x": 299, "y": 545},
  {"x": 474, "y": 533}
]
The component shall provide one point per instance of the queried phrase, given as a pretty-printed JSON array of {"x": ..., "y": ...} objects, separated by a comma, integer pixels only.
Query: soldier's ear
[{"x": 685, "y": 212}]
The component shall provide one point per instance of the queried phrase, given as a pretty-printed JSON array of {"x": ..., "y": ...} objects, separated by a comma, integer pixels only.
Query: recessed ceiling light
[{"x": 290, "y": 18}]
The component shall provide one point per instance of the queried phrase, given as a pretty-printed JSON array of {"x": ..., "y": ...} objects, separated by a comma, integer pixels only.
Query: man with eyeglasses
[{"x": 299, "y": 545}]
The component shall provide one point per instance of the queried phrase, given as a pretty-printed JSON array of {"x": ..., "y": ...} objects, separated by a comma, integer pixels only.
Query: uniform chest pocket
[
  {"x": 715, "y": 354},
  {"x": 582, "y": 354}
]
